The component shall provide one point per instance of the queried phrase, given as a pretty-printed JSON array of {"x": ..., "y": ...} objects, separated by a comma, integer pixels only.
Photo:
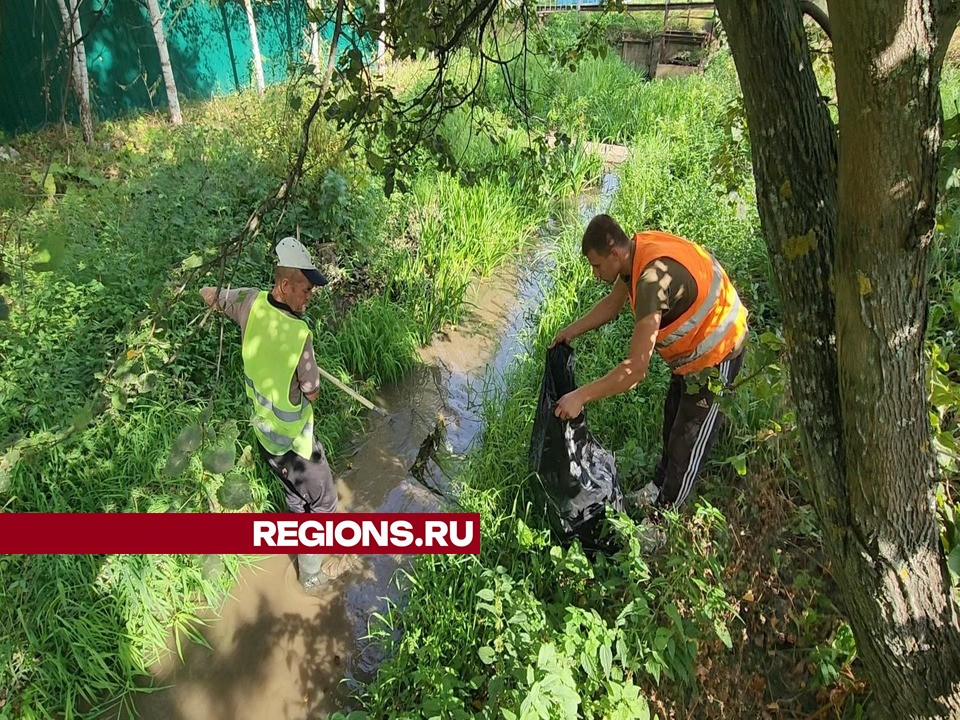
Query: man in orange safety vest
[{"x": 685, "y": 308}]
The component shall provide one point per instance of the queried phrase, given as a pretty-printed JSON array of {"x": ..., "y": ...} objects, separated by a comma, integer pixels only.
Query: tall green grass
[
  {"x": 461, "y": 232},
  {"x": 604, "y": 100}
]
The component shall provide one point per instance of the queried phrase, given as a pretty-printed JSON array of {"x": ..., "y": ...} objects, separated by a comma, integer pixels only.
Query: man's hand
[
  {"x": 209, "y": 295},
  {"x": 564, "y": 336},
  {"x": 569, "y": 406}
]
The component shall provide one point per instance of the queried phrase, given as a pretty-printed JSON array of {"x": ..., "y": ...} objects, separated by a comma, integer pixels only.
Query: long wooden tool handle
[{"x": 356, "y": 396}]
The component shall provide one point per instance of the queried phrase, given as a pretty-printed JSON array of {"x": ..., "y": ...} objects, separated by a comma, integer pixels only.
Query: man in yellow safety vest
[{"x": 282, "y": 380}]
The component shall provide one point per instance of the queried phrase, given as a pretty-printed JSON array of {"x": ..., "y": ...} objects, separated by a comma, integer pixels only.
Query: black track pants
[{"x": 691, "y": 419}]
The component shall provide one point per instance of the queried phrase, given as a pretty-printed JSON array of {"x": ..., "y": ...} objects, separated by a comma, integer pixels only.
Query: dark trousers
[
  {"x": 308, "y": 487},
  {"x": 307, "y": 484},
  {"x": 691, "y": 420}
]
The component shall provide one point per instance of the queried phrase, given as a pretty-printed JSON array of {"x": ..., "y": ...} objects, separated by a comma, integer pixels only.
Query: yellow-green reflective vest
[{"x": 272, "y": 345}]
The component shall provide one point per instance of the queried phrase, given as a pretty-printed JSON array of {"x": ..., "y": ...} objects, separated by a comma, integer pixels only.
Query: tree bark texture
[
  {"x": 848, "y": 234},
  {"x": 794, "y": 161},
  {"x": 889, "y": 108},
  {"x": 77, "y": 58},
  {"x": 255, "y": 45},
  {"x": 160, "y": 35}
]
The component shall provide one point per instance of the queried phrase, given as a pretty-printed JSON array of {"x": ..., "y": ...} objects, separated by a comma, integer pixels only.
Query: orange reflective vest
[{"x": 713, "y": 325}]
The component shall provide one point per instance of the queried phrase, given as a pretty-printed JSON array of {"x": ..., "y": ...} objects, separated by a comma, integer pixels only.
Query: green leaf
[
  {"x": 389, "y": 180},
  {"x": 219, "y": 459},
  {"x": 83, "y": 418},
  {"x": 176, "y": 463},
  {"x": 295, "y": 102},
  {"x": 487, "y": 655},
  {"x": 723, "y": 633},
  {"x": 739, "y": 463},
  {"x": 50, "y": 248},
  {"x": 49, "y": 185},
  {"x": 7, "y": 464},
  {"x": 147, "y": 382},
  {"x": 118, "y": 399},
  {"x": 525, "y": 536},
  {"x": 606, "y": 659},
  {"x": 486, "y": 594},
  {"x": 192, "y": 261},
  {"x": 189, "y": 440},
  {"x": 374, "y": 161},
  {"x": 229, "y": 432},
  {"x": 953, "y": 561},
  {"x": 235, "y": 492}
]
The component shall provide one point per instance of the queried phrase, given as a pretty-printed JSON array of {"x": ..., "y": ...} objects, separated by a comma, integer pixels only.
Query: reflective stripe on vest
[
  {"x": 273, "y": 343},
  {"x": 716, "y": 321},
  {"x": 713, "y": 294},
  {"x": 284, "y": 415},
  {"x": 275, "y": 437},
  {"x": 716, "y": 336}
]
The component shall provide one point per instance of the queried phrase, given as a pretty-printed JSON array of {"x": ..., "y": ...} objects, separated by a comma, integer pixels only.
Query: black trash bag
[{"x": 578, "y": 476}]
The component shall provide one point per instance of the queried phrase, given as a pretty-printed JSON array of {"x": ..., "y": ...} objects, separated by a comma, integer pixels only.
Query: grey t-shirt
[{"x": 236, "y": 304}]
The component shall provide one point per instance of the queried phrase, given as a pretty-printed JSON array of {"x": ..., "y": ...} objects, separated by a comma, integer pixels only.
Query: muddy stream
[{"x": 277, "y": 652}]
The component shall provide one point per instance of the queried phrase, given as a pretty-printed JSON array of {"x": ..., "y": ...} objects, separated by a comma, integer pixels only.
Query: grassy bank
[
  {"x": 530, "y": 629},
  {"x": 735, "y": 618}
]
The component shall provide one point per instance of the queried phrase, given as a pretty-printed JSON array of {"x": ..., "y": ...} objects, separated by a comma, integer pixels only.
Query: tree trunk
[
  {"x": 332, "y": 55},
  {"x": 889, "y": 103},
  {"x": 173, "y": 99},
  {"x": 255, "y": 45},
  {"x": 77, "y": 57},
  {"x": 794, "y": 161},
  {"x": 848, "y": 238},
  {"x": 314, "y": 13},
  {"x": 381, "y": 39},
  {"x": 315, "y": 47}
]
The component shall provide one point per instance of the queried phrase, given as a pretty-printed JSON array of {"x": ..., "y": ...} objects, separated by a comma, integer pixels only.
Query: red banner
[{"x": 239, "y": 533}]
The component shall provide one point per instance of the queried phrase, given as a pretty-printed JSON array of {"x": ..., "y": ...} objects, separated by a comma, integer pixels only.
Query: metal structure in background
[
  {"x": 670, "y": 51},
  {"x": 600, "y": 5}
]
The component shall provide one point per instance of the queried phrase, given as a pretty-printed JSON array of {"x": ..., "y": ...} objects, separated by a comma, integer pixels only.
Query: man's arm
[
  {"x": 623, "y": 377},
  {"x": 235, "y": 304},
  {"x": 308, "y": 372},
  {"x": 600, "y": 314}
]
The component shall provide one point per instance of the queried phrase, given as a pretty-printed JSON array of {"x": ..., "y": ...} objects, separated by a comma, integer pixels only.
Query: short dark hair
[{"x": 602, "y": 233}]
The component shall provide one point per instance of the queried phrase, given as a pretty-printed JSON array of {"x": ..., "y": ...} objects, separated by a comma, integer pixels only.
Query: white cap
[{"x": 292, "y": 254}]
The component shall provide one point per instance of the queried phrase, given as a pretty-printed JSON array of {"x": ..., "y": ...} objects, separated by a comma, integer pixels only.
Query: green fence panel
[{"x": 208, "y": 41}]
